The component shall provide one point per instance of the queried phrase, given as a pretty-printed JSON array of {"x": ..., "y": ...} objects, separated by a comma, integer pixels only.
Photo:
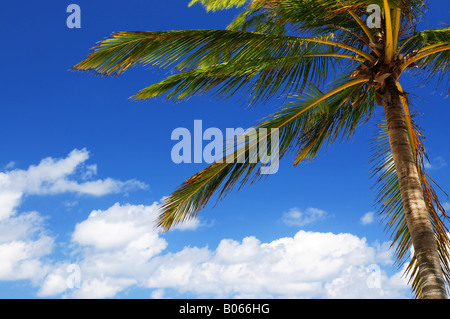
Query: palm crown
[{"x": 290, "y": 47}]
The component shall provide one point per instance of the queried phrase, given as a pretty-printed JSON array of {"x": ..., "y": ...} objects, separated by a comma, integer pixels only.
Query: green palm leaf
[
  {"x": 275, "y": 60},
  {"x": 215, "y": 5},
  {"x": 293, "y": 124},
  {"x": 422, "y": 39},
  {"x": 261, "y": 77}
]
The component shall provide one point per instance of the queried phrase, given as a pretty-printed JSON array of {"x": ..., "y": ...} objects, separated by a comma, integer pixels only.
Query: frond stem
[
  {"x": 407, "y": 116},
  {"x": 397, "y": 17},
  {"x": 324, "y": 97},
  {"x": 389, "y": 39},
  {"x": 422, "y": 55},
  {"x": 362, "y": 25}
]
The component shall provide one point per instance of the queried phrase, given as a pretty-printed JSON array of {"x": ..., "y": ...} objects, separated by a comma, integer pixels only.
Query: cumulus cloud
[
  {"x": 23, "y": 242},
  {"x": 307, "y": 265},
  {"x": 438, "y": 163},
  {"x": 119, "y": 248},
  {"x": 55, "y": 282},
  {"x": 370, "y": 281},
  {"x": 191, "y": 224},
  {"x": 24, "y": 239},
  {"x": 21, "y": 259},
  {"x": 296, "y": 217},
  {"x": 115, "y": 247},
  {"x": 367, "y": 218},
  {"x": 117, "y": 227},
  {"x": 56, "y": 176},
  {"x": 10, "y": 165}
]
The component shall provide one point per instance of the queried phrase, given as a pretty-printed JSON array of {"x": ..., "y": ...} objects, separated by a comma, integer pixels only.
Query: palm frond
[
  {"x": 428, "y": 52},
  {"x": 336, "y": 118},
  {"x": 261, "y": 78},
  {"x": 421, "y": 39},
  {"x": 413, "y": 9},
  {"x": 314, "y": 15},
  {"x": 216, "y": 5},
  {"x": 310, "y": 17},
  {"x": 191, "y": 48},
  {"x": 255, "y": 18},
  {"x": 389, "y": 49},
  {"x": 396, "y": 22},
  {"x": 290, "y": 124},
  {"x": 210, "y": 58}
]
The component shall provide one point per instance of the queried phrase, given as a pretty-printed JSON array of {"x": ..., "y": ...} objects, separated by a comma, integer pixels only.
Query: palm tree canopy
[{"x": 291, "y": 48}]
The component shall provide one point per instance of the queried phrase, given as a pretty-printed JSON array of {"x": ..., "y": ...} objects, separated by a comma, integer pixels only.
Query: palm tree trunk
[{"x": 417, "y": 216}]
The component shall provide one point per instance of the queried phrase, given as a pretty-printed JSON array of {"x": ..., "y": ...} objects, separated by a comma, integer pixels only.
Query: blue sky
[{"x": 83, "y": 170}]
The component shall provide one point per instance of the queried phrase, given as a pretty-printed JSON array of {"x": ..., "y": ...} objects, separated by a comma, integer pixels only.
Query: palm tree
[{"x": 290, "y": 48}]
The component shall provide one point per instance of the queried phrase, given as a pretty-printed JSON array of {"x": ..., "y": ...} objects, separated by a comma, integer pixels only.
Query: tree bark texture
[{"x": 417, "y": 216}]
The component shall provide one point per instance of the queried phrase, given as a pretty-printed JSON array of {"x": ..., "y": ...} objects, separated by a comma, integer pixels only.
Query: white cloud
[
  {"x": 53, "y": 176},
  {"x": 296, "y": 217},
  {"x": 368, "y": 218},
  {"x": 370, "y": 281},
  {"x": 9, "y": 200},
  {"x": 10, "y": 165},
  {"x": 310, "y": 264},
  {"x": 55, "y": 282},
  {"x": 90, "y": 171},
  {"x": 157, "y": 294},
  {"x": 23, "y": 243},
  {"x": 191, "y": 224},
  {"x": 447, "y": 206},
  {"x": 120, "y": 247},
  {"x": 100, "y": 288},
  {"x": 24, "y": 240},
  {"x": 115, "y": 248},
  {"x": 117, "y": 227},
  {"x": 21, "y": 259},
  {"x": 438, "y": 163}
]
